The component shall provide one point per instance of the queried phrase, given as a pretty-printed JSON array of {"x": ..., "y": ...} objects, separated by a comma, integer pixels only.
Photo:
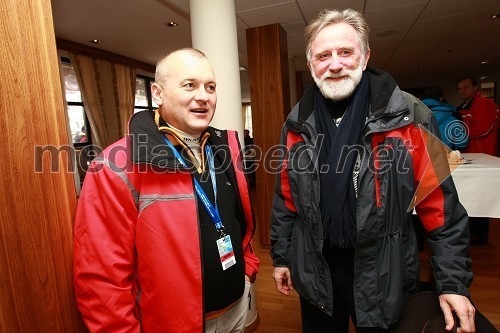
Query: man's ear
[
  {"x": 156, "y": 93},
  {"x": 367, "y": 57},
  {"x": 310, "y": 68}
]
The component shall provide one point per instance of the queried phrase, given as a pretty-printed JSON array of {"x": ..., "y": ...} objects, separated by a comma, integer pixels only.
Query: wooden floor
[{"x": 281, "y": 314}]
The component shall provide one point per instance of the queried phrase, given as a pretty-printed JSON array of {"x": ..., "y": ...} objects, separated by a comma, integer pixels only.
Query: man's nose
[
  {"x": 201, "y": 94},
  {"x": 335, "y": 64}
]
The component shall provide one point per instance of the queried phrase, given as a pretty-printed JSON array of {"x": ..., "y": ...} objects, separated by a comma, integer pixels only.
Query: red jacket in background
[{"x": 480, "y": 116}]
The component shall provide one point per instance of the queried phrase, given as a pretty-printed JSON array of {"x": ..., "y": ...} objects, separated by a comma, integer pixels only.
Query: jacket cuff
[
  {"x": 280, "y": 262},
  {"x": 452, "y": 289}
]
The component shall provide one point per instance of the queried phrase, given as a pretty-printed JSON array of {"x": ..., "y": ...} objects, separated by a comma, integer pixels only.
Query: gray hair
[
  {"x": 328, "y": 17},
  {"x": 161, "y": 70}
]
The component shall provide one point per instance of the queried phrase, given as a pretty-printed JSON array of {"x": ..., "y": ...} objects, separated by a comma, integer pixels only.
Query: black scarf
[{"x": 338, "y": 197}]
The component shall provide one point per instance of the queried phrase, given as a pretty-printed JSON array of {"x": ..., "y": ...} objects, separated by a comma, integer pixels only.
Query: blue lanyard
[{"x": 212, "y": 210}]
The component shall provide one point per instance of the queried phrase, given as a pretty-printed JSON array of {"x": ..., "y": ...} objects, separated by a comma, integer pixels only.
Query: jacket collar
[
  {"x": 148, "y": 143},
  {"x": 468, "y": 104}
]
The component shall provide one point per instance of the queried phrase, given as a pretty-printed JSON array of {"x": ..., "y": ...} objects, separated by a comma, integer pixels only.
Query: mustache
[{"x": 335, "y": 76}]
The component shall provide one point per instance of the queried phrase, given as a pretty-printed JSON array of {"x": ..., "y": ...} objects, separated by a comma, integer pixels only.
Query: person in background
[
  {"x": 480, "y": 115},
  {"x": 341, "y": 227},
  {"x": 452, "y": 130},
  {"x": 81, "y": 137},
  {"x": 162, "y": 237},
  {"x": 247, "y": 138}
]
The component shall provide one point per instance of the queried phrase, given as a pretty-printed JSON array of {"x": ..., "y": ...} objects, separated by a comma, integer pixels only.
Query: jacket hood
[{"x": 436, "y": 105}]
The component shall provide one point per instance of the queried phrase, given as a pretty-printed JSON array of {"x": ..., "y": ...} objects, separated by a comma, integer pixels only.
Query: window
[
  {"x": 488, "y": 89},
  {"x": 78, "y": 122},
  {"x": 248, "y": 118},
  {"x": 143, "y": 99}
]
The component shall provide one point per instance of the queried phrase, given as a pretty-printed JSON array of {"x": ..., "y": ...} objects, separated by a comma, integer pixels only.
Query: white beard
[{"x": 339, "y": 90}]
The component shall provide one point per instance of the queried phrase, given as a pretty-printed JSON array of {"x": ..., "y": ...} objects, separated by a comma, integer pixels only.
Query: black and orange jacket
[
  {"x": 403, "y": 165},
  {"x": 137, "y": 252}
]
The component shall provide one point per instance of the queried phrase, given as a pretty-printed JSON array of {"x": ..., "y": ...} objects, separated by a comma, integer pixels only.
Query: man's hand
[
  {"x": 463, "y": 309},
  {"x": 281, "y": 276}
]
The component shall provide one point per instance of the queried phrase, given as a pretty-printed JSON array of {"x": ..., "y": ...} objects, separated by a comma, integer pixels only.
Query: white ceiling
[{"x": 432, "y": 39}]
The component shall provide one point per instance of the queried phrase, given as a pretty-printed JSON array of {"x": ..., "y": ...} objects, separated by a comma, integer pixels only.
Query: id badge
[{"x": 226, "y": 252}]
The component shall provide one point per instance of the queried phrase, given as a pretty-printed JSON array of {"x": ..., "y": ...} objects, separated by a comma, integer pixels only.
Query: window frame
[{"x": 148, "y": 81}]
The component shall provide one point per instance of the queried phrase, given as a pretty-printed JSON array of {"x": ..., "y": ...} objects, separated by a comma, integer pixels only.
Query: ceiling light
[
  {"x": 484, "y": 62},
  {"x": 171, "y": 24},
  {"x": 385, "y": 33},
  {"x": 95, "y": 41},
  {"x": 492, "y": 17}
]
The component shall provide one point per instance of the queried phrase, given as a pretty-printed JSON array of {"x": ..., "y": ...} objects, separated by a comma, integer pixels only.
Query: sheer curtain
[{"x": 108, "y": 91}]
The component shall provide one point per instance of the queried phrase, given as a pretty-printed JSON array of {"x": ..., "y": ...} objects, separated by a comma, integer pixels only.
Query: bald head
[
  {"x": 185, "y": 90},
  {"x": 163, "y": 66}
]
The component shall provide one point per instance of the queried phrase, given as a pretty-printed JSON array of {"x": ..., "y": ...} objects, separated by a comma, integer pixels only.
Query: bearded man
[{"x": 357, "y": 150}]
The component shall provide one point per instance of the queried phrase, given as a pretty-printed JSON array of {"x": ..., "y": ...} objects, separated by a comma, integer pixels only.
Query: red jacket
[
  {"x": 480, "y": 116},
  {"x": 137, "y": 257}
]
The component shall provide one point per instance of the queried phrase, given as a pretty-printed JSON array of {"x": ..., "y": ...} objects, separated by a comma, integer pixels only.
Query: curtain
[
  {"x": 243, "y": 114},
  {"x": 108, "y": 92}
]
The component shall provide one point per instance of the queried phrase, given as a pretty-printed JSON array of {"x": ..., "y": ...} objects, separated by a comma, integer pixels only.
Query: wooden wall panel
[
  {"x": 270, "y": 99},
  {"x": 37, "y": 208}
]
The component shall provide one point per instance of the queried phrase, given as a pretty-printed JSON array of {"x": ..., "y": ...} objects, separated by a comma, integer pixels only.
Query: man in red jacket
[
  {"x": 162, "y": 237},
  {"x": 480, "y": 116}
]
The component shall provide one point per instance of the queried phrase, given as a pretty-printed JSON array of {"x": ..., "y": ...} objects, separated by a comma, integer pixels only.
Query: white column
[{"x": 213, "y": 31}]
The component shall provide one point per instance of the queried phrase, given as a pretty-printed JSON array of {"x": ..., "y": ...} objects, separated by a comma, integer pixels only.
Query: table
[{"x": 478, "y": 185}]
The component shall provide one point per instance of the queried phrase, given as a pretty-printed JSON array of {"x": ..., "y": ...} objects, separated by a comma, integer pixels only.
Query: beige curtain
[{"x": 108, "y": 92}]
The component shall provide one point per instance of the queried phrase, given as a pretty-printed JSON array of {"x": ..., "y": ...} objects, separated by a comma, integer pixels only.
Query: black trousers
[{"x": 341, "y": 264}]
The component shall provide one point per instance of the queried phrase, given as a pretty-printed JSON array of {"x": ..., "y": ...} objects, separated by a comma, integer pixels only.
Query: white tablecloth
[{"x": 478, "y": 185}]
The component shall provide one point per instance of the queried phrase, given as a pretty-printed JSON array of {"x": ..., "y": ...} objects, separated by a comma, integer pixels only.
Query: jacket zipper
[{"x": 376, "y": 176}]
